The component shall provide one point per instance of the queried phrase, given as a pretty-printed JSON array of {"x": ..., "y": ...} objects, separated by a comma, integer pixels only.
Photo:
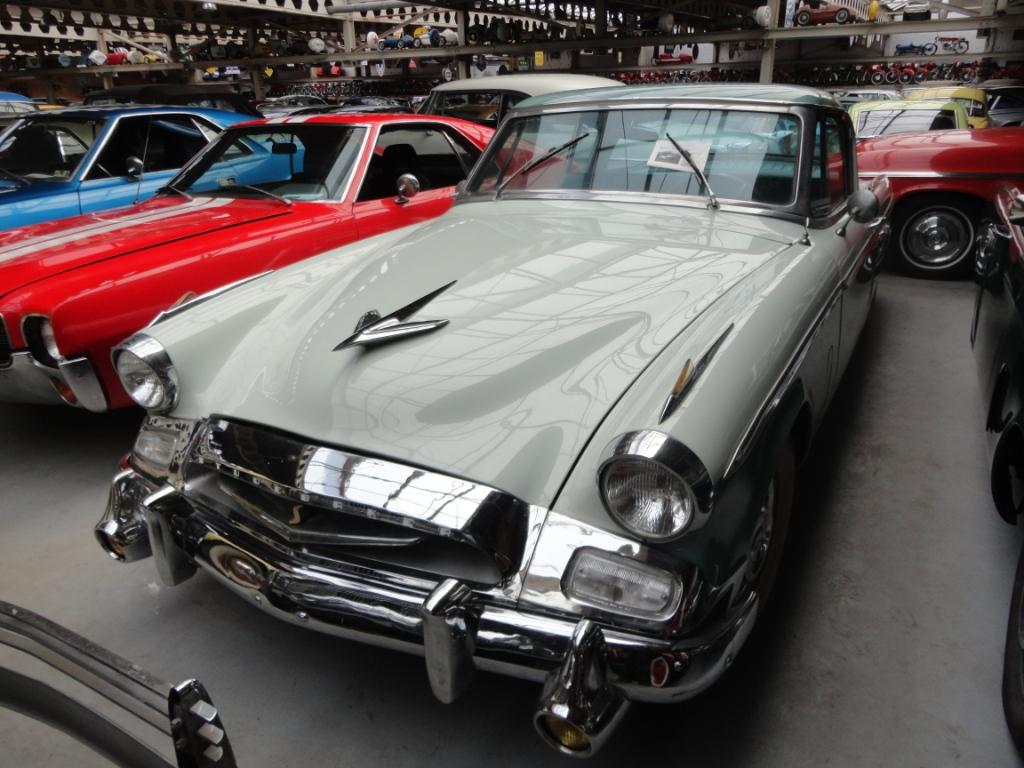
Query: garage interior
[{"x": 884, "y": 645}]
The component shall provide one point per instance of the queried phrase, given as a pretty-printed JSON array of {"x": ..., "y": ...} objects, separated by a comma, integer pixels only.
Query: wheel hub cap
[{"x": 937, "y": 238}]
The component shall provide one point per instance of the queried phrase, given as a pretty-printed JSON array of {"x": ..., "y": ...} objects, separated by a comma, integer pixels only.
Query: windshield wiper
[
  {"x": 261, "y": 191},
  {"x": 712, "y": 198},
  {"x": 534, "y": 163},
  {"x": 13, "y": 175},
  {"x": 175, "y": 190}
]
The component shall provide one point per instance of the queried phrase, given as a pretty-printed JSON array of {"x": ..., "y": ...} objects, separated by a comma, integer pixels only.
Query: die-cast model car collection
[{"x": 518, "y": 383}]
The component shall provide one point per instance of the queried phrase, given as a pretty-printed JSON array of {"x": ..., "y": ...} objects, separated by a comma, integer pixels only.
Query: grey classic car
[{"x": 550, "y": 434}]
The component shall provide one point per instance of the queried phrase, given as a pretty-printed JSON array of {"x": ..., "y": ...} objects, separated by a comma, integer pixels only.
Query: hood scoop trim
[{"x": 373, "y": 330}]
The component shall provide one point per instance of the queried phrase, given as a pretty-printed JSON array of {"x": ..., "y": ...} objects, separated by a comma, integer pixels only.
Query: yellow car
[
  {"x": 973, "y": 100},
  {"x": 879, "y": 118}
]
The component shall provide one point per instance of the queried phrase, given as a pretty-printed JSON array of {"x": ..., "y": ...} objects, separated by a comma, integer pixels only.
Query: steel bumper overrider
[
  {"x": 590, "y": 671},
  {"x": 75, "y": 382}
]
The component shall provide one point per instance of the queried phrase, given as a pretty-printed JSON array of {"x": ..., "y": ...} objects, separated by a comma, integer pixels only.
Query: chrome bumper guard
[
  {"x": 590, "y": 672},
  {"x": 112, "y": 706},
  {"x": 25, "y": 380}
]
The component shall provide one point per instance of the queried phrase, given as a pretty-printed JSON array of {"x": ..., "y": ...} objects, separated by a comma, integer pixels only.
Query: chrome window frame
[{"x": 795, "y": 210}]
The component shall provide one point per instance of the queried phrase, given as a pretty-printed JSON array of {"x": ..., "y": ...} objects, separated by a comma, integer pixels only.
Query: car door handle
[{"x": 876, "y": 222}]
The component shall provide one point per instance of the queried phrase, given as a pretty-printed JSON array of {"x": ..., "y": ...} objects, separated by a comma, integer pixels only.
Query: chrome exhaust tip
[
  {"x": 121, "y": 531},
  {"x": 579, "y": 708}
]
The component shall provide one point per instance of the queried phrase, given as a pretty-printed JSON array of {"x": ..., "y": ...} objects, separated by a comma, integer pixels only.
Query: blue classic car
[{"x": 65, "y": 162}]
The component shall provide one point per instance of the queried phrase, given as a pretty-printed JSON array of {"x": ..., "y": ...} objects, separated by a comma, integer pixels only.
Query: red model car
[
  {"x": 823, "y": 13},
  {"x": 263, "y": 195},
  {"x": 942, "y": 182}
]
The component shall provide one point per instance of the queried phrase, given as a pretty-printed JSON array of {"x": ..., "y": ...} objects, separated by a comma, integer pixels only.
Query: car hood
[
  {"x": 32, "y": 253},
  {"x": 556, "y": 308}
]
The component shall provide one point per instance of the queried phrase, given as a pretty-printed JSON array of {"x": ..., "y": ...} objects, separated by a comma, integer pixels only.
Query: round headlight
[
  {"x": 646, "y": 497},
  {"x": 147, "y": 374}
]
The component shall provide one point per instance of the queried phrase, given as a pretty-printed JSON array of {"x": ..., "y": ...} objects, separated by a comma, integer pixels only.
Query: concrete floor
[{"x": 884, "y": 647}]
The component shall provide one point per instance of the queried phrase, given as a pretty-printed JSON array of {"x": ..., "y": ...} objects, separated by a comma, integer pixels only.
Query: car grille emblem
[{"x": 372, "y": 329}]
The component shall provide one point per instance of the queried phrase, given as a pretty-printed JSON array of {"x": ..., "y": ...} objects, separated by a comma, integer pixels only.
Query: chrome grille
[
  {"x": 5, "y": 344},
  {"x": 334, "y": 504}
]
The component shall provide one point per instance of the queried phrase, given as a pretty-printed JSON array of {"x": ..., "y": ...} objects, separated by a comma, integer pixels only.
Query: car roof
[
  {"x": 867, "y": 106},
  {"x": 359, "y": 118},
  {"x": 742, "y": 92},
  {"x": 530, "y": 84},
  {"x": 947, "y": 91},
  {"x": 98, "y": 111}
]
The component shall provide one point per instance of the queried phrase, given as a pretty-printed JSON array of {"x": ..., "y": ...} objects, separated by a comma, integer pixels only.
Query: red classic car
[
  {"x": 942, "y": 182},
  {"x": 263, "y": 195},
  {"x": 823, "y": 13}
]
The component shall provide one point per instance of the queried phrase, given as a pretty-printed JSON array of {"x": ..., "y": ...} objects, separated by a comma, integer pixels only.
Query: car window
[
  {"x": 47, "y": 149},
  {"x": 477, "y": 106},
  {"x": 424, "y": 151},
  {"x": 746, "y": 156},
  {"x": 829, "y": 170},
  {"x": 878, "y": 122},
  {"x": 162, "y": 142},
  {"x": 300, "y": 162}
]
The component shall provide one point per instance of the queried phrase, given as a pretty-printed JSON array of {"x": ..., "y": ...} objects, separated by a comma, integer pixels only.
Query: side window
[
  {"x": 830, "y": 170},
  {"x": 477, "y": 106},
  {"x": 423, "y": 151},
  {"x": 128, "y": 139}
]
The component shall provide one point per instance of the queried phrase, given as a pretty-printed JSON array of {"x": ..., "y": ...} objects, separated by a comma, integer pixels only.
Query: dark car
[
  {"x": 998, "y": 340},
  {"x": 209, "y": 97},
  {"x": 377, "y": 104},
  {"x": 1005, "y": 104}
]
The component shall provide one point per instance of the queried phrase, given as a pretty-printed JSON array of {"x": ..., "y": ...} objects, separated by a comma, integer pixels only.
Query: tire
[
  {"x": 920, "y": 76},
  {"x": 1013, "y": 661},
  {"x": 769, "y": 540},
  {"x": 842, "y": 16},
  {"x": 381, "y": 46},
  {"x": 961, "y": 46},
  {"x": 933, "y": 235},
  {"x": 417, "y": 43},
  {"x": 891, "y": 76},
  {"x": 906, "y": 77},
  {"x": 877, "y": 78},
  {"x": 401, "y": 44},
  {"x": 803, "y": 18},
  {"x": 929, "y": 49}
]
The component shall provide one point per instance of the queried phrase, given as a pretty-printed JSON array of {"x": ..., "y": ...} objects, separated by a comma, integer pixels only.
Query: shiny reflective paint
[
  {"x": 100, "y": 277},
  {"x": 969, "y": 161}
]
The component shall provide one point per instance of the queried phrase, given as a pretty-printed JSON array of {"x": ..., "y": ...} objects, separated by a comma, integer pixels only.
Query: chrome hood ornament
[{"x": 372, "y": 329}]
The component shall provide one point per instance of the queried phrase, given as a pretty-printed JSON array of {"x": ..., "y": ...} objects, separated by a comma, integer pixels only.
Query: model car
[
  {"x": 998, "y": 342},
  {"x": 222, "y": 97},
  {"x": 112, "y": 706},
  {"x": 264, "y": 195},
  {"x": 402, "y": 41},
  {"x": 823, "y": 13},
  {"x": 942, "y": 181},
  {"x": 884, "y": 118},
  {"x": 60, "y": 163},
  {"x": 973, "y": 100},
  {"x": 485, "y": 100},
  {"x": 570, "y": 460},
  {"x": 282, "y": 106}
]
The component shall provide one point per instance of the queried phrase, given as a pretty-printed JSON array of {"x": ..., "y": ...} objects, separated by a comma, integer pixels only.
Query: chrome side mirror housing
[
  {"x": 863, "y": 206},
  {"x": 408, "y": 187}
]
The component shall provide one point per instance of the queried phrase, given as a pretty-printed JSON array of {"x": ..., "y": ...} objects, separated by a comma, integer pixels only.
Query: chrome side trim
[
  {"x": 689, "y": 376},
  {"x": 936, "y": 175},
  {"x": 177, "y": 309},
  {"x": 79, "y": 374}
]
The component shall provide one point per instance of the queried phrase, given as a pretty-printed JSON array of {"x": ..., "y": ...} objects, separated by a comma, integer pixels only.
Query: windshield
[
  {"x": 877, "y": 122},
  {"x": 300, "y": 162},
  {"x": 47, "y": 150},
  {"x": 746, "y": 156}
]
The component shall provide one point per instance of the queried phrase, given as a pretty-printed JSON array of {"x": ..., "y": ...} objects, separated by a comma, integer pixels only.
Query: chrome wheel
[
  {"x": 762, "y": 541},
  {"x": 936, "y": 238}
]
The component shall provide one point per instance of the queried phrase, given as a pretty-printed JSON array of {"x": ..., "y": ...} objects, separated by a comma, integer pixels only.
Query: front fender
[{"x": 1007, "y": 482}]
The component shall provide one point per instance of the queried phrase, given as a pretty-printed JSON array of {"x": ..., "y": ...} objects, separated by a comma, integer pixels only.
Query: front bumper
[
  {"x": 26, "y": 380},
  {"x": 456, "y": 629}
]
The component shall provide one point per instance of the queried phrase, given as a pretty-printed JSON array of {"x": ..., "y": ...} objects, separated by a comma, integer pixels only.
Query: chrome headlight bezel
[
  {"x": 149, "y": 353},
  {"x": 662, "y": 453}
]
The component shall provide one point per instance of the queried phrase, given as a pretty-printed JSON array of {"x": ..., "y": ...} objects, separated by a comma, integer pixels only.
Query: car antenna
[
  {"x": 806, "y": 240},
  {"x": 145, "y": 152}
]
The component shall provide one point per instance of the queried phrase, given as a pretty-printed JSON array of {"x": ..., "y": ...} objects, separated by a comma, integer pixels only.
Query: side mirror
[
  {"x": 408, "y": 187},
  {"x": 133, "y": 167},
  {"x": 863, "y": 206}
]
